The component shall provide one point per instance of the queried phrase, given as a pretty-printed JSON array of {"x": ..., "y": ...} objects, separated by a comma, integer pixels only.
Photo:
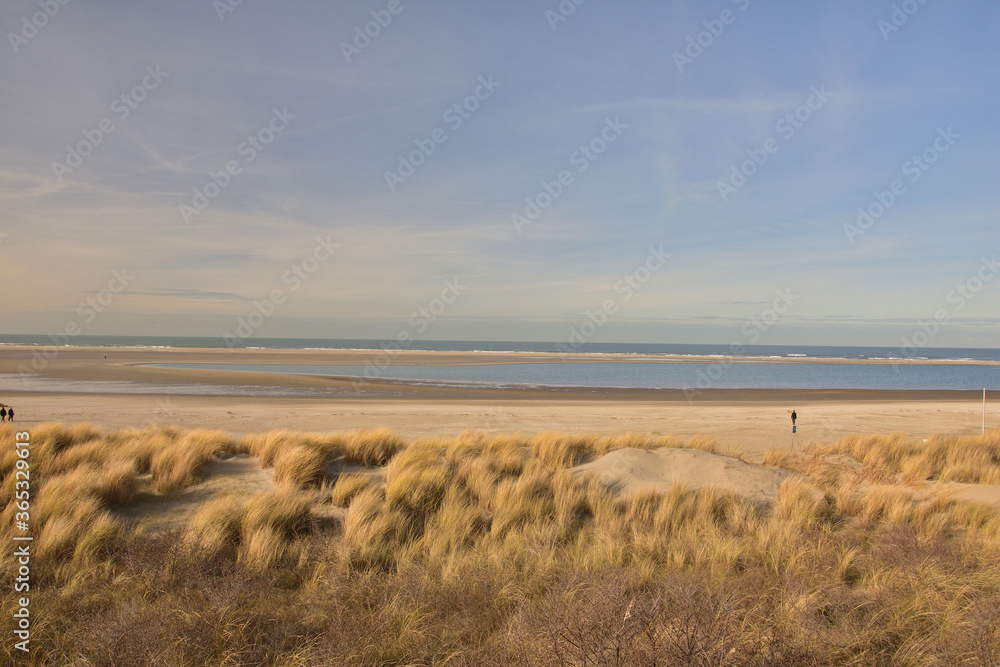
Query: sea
[
  {"x": 679, "y": 349},
  {"x": 758, "y": 367}
]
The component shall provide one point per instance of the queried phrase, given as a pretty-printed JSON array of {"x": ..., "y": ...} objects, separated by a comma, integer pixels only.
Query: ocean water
[
  {"x": 758, "y": 368},
  {"x": 753, "y": 351}
]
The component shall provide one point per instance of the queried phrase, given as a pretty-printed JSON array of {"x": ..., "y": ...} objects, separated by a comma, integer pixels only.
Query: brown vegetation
[{"x": 486, "y": 550}]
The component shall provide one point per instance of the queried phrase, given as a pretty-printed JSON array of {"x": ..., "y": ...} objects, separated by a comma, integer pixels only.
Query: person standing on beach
[{"x": 793, "y": 417}]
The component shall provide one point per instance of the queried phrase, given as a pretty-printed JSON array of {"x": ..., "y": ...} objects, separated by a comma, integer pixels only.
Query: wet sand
[{"x": 748, "y": 420}]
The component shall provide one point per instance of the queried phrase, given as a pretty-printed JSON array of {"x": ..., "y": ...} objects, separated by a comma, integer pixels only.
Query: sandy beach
[{"x": 752, "y": 421}]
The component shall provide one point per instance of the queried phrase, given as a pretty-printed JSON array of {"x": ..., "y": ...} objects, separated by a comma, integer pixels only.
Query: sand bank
[{"x": 749, "y": 420}]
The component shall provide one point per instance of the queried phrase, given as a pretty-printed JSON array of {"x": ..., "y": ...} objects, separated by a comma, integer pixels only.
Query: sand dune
[
  {"x": 637, "y": 470},
  {"x": 239, "y": 474},
  {"x": 984, "y": 494}
]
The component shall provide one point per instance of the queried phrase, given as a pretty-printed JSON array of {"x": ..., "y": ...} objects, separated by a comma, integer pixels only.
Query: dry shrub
[
  {"x": 60, "y": 533},
  {"x": 215, "y": 526},
  {"x": 421, "y": 454},
  {"x": 801, "y": 502},
  {"x": 99, "y": 541},
  {"x": 348, "y": 486},
  {"x": 91, "y": 452},
  {"x": 416, "y": 491},
  {"x": 117, "y": 483},
  {"x": 678, "y": 508},
  {"x": 886, "y": 503},
  {"x": 847, "y": 500},
  {"x": 287, "y": 512},
  {"x": 266, "y": 446},
  {"x": 372, "y": 448},
  {"x": 971, "y": 459},
  {"x": 506, "y": 456},
  {"x": 58, "y": 496},
  {"x": 259, "y": 530},
  {"x": 48, "y": 440},
  {"x": 485, "y": 550},
  {"x": 180, "y": 463},
  {"x": 560, "y": 450},
  {"x": 608, "y": 443},
  {"x": 139, "y": 445},
  {"x": 506, "y": 452},
  {"x": 264, "y": 547},
  {"x": 522, "y": 501},
  {"x": 703, "y": 442},
  {"x": 457, "y": 525},
  {"x": 374, "y": 535},
  {"x": 300, "y": 465},
  {"x": 572, "y": 507},
  {"x": 779, "y": 458},
  {"x": 479, "y": 478}
]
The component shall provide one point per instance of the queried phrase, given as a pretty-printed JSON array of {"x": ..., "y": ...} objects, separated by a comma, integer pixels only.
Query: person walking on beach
[
  {"x": 793, "y": 417},
  {"x": 3, "y": 413},
  {"x": 10, "y": 414}
]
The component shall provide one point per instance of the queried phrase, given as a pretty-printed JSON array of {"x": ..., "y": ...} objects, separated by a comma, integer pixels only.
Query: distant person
[
  {"x": 10, "y": 414},
  {"x": 793, "y": 417},
  {"x": 3, "y": 414}
]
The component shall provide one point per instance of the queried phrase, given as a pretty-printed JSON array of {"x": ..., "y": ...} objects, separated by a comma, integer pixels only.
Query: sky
[{"x": 731, "y": 171}]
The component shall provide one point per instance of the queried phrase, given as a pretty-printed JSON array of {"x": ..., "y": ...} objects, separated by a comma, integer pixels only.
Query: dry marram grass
[{"x": 486, "y": 550}]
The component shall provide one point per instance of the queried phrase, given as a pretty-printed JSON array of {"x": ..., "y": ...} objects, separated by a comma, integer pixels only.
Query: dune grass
[{"x": 486, "y": 550}]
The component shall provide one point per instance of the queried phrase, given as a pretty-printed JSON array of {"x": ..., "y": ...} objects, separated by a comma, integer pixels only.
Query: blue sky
[{"x": 329, "y": 126}]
